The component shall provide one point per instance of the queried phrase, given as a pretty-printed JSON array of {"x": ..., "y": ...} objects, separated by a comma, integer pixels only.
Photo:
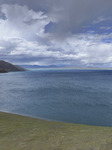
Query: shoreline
[
  {"x": 22, "y": 133},
  {"x": 50, "y": 120}
]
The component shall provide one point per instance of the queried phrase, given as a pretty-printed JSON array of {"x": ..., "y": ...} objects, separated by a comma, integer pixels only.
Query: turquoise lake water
[{"x": 77, "y": 96}]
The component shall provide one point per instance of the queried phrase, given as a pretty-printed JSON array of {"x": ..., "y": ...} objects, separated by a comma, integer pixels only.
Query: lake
[{"x": 76, "y": 96}]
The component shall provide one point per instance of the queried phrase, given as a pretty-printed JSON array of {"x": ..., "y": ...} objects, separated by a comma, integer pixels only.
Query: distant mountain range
[
  {"x": 37, "y": 66},
  {"x": 8, "y": 67},
  {"x": 30, "y": 67}
]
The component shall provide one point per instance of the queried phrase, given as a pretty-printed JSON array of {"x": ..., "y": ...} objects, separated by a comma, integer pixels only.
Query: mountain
[
  {"x": 8, "y": 67},
  {"x": 37, "y": 66}
]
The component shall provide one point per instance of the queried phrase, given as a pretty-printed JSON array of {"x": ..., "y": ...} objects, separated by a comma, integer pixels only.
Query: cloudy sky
[{"x": 56, "y": 32}]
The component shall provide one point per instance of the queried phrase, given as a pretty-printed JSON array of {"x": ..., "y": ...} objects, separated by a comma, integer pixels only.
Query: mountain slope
[{"x": 8, "y": 67}]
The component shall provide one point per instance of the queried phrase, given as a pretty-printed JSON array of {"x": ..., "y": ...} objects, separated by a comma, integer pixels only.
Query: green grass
[{"x": 24, "y": 133}]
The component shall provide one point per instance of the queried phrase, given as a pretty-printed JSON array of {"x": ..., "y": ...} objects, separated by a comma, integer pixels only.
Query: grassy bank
[{"x": 23, "y": 133}]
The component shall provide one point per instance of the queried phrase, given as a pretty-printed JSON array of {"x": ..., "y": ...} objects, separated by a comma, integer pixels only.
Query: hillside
[
  {"x": 8, "y": 67},
  {"x": 24, "y": 133}
]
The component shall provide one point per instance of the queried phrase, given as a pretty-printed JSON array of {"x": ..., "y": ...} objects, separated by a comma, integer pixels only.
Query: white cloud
[
  {"x": 22, "y": 22},
  {"x": 106, "y": 28},
  {"x": 22, "y": 39},
  {"x": 101, "y": 19}
]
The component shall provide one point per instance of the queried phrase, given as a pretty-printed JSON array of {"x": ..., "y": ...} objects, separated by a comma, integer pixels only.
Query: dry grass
[{"x": 23, "y": 133}]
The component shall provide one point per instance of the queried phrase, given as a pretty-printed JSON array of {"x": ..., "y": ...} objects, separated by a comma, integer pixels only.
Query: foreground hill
[
  {"x": 23, "y": 133},
  {"x": 8, "y": 67}
]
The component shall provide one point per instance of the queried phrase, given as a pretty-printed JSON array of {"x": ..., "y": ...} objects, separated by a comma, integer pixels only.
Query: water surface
[{"x": 77, "y": 96}]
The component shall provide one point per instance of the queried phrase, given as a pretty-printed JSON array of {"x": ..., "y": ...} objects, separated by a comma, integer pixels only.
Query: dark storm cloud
[
  {"x": 2, "y": 16},
  {"x": 71, "y": 15}
]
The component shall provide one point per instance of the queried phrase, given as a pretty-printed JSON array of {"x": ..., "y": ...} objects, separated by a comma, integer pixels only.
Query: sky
[{"x": 56, "y": 32}]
